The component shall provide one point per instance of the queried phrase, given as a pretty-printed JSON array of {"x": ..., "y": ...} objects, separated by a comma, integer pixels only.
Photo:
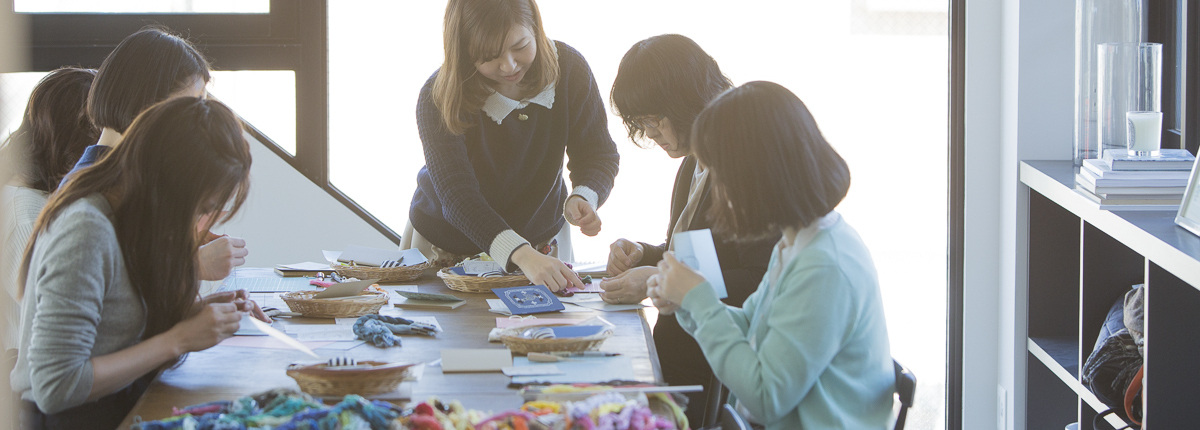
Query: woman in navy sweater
[{"x": 495, "y": 122}]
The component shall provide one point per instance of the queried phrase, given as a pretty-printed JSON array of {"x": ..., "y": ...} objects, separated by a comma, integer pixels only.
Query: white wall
[
  {"x": 287, "y": 218},
  {"x": 1020, "y": 56}
]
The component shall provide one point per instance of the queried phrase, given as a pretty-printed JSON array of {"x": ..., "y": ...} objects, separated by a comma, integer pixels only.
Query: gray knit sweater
[
  {"x": 78, "y": 304},
  {"x": 21, "y": 206}
]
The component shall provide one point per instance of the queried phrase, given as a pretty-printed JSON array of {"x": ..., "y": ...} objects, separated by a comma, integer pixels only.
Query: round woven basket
[
  {"x": 390, "y": 274},
  {"x": 519, "y": 345},
  {"x": 322, "y": 381},
  {"x": 475, "y": 284},
  {"x": 366, "y": 303}
]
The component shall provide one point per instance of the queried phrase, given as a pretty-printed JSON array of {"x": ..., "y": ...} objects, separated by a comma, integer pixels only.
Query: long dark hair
[
  {"x": 144, "y": 69},
  {"x": 770, "y": 167},
  {"x": 54, "y": 131},
  {"x": 181, "y": 158},
  {"x": 667, "y": 75},
  {"x": 476, "y": 30}
]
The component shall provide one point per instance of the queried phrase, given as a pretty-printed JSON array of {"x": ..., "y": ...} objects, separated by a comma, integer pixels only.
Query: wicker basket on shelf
[
  {"x": 321, "y": 380},
  {"x": 476, "y": 284},
  {"x": 385, "y": 275},
  {"x": 520, "y": 345},
  {"x": 365, "y": 303}
]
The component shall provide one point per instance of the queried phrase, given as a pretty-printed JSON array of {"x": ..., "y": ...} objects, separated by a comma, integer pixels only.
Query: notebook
[{"x": 268, "y": 282}]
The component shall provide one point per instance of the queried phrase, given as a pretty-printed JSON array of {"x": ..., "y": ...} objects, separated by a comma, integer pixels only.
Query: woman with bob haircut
[
  {"x": 495, "y": 121},
  {"x": 662, "y": 84},
  {"x": 809, "y": 349},
  {"x": 98, "y": 324},
  {"x": 51, "y": 137},
  {"x": 147, "y": 67}
]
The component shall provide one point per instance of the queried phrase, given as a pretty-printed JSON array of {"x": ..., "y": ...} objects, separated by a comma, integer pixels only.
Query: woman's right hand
[
  {"x": 215, "y": 322},
  {"x": 545, "y": 270},
  {"x": 623, "y": 255}
]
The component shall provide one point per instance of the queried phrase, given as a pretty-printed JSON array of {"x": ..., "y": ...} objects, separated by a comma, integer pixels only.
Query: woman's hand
[
  {"x": 672, "y": 283},
  {"x": 215, "y": 322},
  {"x": 219, "y": 255},
  {"x": 545, "y": 270},
  {"x": 628, "y": 287},
  {"x": 239, "y": 298},
  {"x": 623, "y": 255},
  {"x": 579, "y": 212}
]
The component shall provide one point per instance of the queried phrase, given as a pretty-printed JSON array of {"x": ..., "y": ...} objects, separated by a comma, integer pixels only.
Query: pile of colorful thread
[{"x": 280, "y": 410}]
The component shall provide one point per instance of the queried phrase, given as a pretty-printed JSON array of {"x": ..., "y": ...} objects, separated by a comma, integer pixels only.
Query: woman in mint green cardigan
[{"x": 809, "y": 349}]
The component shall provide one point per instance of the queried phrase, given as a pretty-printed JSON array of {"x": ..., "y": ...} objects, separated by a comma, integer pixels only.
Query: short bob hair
[
  {"x": 476, "y": 31},
  {"x": 770, "y": 166},
  {"x": 55, "y": 129},
  {"x": 144, "y": 69},
  {"x": 669, "y": 76}
]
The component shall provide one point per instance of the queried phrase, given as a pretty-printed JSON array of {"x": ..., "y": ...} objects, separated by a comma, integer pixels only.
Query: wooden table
[{"x": 227, "y": 373}]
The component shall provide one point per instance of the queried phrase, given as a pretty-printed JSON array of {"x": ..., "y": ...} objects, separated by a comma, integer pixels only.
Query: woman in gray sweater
[{"x": 109, "y": 281}]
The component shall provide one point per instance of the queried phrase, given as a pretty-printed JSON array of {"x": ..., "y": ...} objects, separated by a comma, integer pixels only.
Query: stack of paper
[{"x": 1123, "y": 182}]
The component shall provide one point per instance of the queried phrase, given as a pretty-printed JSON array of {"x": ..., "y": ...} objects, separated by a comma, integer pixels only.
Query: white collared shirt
[{"x": 498, "y": 106}]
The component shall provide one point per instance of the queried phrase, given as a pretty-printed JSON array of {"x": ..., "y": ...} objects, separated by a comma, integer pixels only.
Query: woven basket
[
  {"x": 321, "y": 381},
  {"x": 475, "y": 284},
  {"x": 512, "y": 339},
  {"x": 367, "y": 302},
  {"x": 390, "y": 274}
]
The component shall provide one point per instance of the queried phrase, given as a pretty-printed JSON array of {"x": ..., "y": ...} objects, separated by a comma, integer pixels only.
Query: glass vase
[{"x": 1096, "y": 22}]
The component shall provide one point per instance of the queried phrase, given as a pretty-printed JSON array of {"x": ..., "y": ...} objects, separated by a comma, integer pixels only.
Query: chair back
[
  {"x": 906, "y": 388},
  {"x": 731, "y": 420}
]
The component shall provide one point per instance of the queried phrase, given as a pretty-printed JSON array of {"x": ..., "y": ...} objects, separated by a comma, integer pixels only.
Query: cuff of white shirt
[
  {"x": 587, "y": 194},
  {"x": 503, "y": 246}
]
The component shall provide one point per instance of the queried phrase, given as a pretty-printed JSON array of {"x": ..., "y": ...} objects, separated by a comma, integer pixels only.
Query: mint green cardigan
[{"x": 822, "y": 359}]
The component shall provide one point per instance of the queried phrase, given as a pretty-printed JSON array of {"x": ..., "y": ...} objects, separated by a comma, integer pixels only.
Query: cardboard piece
[{"x": 475, "y": 360}]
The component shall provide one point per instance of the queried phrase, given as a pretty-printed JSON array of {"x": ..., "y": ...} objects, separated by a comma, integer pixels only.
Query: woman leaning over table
[
  {"x": 662, "y": 84},
  {"x": 495, "y": 122},
  {"x": 809, "y": 349},
  {"x": 97, "y": 324}
]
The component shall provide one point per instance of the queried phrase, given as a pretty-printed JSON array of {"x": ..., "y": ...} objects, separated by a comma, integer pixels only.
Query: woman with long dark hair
[
  {"x": 98, "y": 323},
  {"x": 809, "y": 349},
  {"x": 52, "y": 136},
  {"x": 495, "y": 122},
  {"x": 662, "y": 84},
  {"x": 147, "y": 67}
]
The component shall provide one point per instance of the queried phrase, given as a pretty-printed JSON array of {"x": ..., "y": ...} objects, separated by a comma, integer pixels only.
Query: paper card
[
  {"x": 344, "y": 289},
  {"x": 307, "y": 265},
  {"x": 342, "y": 346},
  {"x": 247, "y": 328},
  {"x": 594, "y": 269},
  {"x": 475, "y": 360},
  {"x": 581, "y": 297},
  {"x": 498, "y": 306},
  {"x": 696, "y": 250},
  {"x": 593, "y": 287},
  {"x": 328, "y": 335},
  {"x": 265, "y": 342},
  {"x": 280, "y": 336},
  {"x": 530, "y": 299},
  {"x": 476, "y": 267},
  {"x": 536, "y": 369},
  {"x": 609, "y": 307},
  {"x": 583, "y": 370}
]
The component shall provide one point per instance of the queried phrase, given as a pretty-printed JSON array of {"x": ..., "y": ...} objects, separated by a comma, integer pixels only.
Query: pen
[{"x": 584, "y": 354}]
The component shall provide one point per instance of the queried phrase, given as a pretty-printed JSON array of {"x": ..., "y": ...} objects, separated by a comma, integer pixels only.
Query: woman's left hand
[
  {"x": 579, "y": 212},
  {"x": 672, "y": 283}
]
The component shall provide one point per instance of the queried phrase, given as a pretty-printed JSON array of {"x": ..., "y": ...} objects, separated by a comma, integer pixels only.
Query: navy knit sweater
[{"x": 509, "y": 176}]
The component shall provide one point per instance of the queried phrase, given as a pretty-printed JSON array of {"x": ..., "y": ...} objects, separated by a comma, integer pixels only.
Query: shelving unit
[{"x": 1081, "y": 259}]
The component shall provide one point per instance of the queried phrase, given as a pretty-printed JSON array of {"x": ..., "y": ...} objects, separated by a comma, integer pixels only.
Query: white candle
[{"x": 1145, "y": 132}]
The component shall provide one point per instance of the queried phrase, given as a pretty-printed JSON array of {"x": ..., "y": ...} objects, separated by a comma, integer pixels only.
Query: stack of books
[{"x": 1120, "y": 181}]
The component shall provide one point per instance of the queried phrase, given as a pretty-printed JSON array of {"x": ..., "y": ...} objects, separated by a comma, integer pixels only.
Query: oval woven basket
[
  {"x": 322, "y": 381},
  {"x": 390, "y": 274},
  {"x": 520, "y": 345},
  {"x": 475, "y": 284},
  {"x": 366, "y": 303}
]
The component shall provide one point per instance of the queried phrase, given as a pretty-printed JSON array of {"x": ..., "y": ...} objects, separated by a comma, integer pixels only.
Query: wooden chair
[{"x": 906, "y": 387}]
